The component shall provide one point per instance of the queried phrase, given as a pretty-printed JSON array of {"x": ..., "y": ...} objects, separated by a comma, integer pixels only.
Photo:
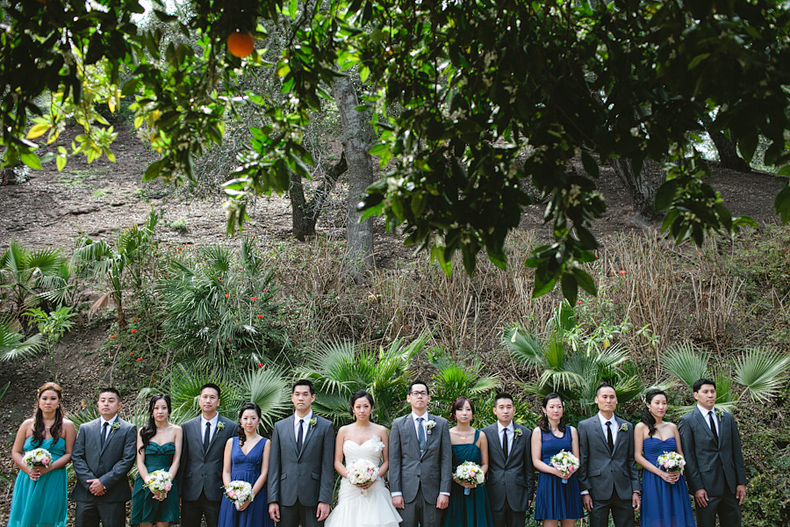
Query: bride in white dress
[{"x": 367, "y": 505}]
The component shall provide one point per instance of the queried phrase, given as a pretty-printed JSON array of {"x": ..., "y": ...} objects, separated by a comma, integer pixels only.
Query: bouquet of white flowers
[
  {"x": 471, "y": 473},
  {"x": 38, "y": 457},
  {"x": 238, "y": 492},
  {"x": 361, "y": 472},
  {"x": 671, "y": 462},
  {"x": 565, "y": 462},
  {"x": 159, "y": 481}
]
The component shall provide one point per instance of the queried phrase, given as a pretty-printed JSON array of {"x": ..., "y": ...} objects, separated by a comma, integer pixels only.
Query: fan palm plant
[
  {"x": 452, "y": 381},
  {"x": 762, "y": 372},
  {"x": 574, "y": 371},
  {"x": 22, "y": 272},
  {"x": 14, "y": 346},
  {"x": 340, "y": 368}
]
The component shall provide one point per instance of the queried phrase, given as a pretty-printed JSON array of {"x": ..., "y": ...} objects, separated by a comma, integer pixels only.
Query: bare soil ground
[{"x": 51, "y": 209}]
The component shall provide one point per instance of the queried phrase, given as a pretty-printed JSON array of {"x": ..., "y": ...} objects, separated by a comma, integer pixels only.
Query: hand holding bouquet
[
  {"x": 672, "y": 463},
  {"x": 566, "y": 463},
  {"x": 238, "y": 492},
  {"x": 159, "y": 482},
  {"x": 469, "y": 473},
  {"x": 362, "y": 473}
]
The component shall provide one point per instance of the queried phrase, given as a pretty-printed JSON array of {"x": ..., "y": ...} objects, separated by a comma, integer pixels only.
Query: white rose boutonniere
[
  {"x": 115, "y": 426},
  {"x": 313, "y": 422},
  {"x": 623, "y": 428},
  {"x": 220, "y": 426},
  {"x": 517, "y": 432},
  {"x": 429, "y": 426}
]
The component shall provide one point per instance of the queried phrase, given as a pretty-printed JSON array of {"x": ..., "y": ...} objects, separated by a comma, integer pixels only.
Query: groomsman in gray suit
[
  {"x": 103, "y": 454},
  {"x": 301, "y": 463},
  {"x": 715, "y": 470},
  {"x": 421, "y": 461},
  {"x": 201, "y": 460},
  {"x": 511, "y": 480},
  {"x": 608, "y": 477}
]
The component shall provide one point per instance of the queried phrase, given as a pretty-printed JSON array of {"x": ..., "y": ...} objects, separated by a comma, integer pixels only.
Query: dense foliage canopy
[{"x": 471, "y": 98}]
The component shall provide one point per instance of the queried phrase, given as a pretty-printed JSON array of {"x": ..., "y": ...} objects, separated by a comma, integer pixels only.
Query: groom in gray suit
[
  {"x": 201, "y": 460},
  {"x": 421, "y": 462},
  {"x": 715, "y": 470},
  {"x": 301, "y": 463},
  {"x": 511, "y": 475},
  {"x": 608, "y": 476},
  {"x": 103, "y": 454}
]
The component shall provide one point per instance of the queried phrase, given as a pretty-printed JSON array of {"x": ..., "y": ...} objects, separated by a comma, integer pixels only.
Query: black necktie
[
  {"x": 299, "y": 436},
  {"x": 207, "y": 437},
  {"x": 420, "y": 434},
  {"x": 504, "y": 442},
  {"x": 713, "y": 427},
  {"x": 104, "y": 433},
  {"x": 609, "y": 437}
]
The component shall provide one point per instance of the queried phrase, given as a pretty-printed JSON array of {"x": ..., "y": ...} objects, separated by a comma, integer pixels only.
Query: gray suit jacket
[
  {"x": 433, "y": 469},
  {"x": 203, "y": 471},
  {"x": 602, "y": 473},
  {"x": 512, "y": 477},
  {"x": 307, "y": 476},
  {"x": 710, "y": 466},
  {"x": 110, "y": 464}
]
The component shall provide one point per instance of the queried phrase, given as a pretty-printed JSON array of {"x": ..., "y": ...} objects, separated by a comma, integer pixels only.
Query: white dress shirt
[
  {"x": 213, "y": 430},
  {"x": 305, "y": 426},
  {"x": 705, "y": 414},
  {"x": 613, "y": 426},
  {"x": 109, "y": 428}
]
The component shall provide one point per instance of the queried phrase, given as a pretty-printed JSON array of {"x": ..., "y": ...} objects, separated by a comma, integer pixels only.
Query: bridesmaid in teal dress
[
  {"x": 469, "y": 505},
  {"x": 158, "y": 448},
  {"x": 40, "y": 495}
]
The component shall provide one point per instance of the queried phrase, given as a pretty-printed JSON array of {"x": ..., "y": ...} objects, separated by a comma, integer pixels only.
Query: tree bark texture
[{"x": 357, "y": 138}]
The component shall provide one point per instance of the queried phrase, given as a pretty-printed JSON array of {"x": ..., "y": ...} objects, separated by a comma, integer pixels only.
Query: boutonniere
[
  {"x": 623, "y": 428},
  {"x": 517, "y": 432},
  {"x": 718, "y": 413},
  {"x": 220, "y": 426},
  {"x": 115, "y": 426},
  {"x": 313, "y": 422},
  {"x": 429, "y": 426}
]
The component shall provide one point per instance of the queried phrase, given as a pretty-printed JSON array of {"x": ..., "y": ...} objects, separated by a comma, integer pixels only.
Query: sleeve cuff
[
  {"x": 584, "y": 492},
  {"x": 444, "y": 493},
  {"x": 394, "y": 494}
]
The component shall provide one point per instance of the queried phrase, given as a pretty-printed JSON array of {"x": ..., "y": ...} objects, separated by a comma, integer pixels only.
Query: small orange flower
[
  {"x": 131, "y": 353},
  {"x": 265, "y": 290},
  {"x": 622, "y": 271},
  {"x": 579, "y": 302},
  {"x": 226, "y": 295},
  {"x": 134, "y": 331},
  {"x": 254, "y": 298},
  {"x": 260, "y": 316},
  {"x": 228, "y": 340},
  {"x": 260, "y": 365},
  {"x": 139, "y": 359},
  {"x": 112, "y": 336},
  {"x": 220, "y": 279}
]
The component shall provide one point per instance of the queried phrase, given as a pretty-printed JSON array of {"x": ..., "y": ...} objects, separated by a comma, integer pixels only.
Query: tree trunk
[
  {"x": 357, "y": 139},
  {"x": 302, "y": 227},
  {"x": 305, "y": 213},
  {"x": 728, "y": 151},
  {"x": 641, "y": 188}
]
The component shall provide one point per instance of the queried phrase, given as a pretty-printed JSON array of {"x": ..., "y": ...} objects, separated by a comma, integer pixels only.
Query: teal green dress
[
  {"x": 146, "y": 509},
  {"x": 41, "y": 503},
  {"x": 472, "y": 510}
]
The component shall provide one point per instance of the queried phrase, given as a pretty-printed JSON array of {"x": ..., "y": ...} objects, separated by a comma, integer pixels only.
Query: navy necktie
[
  {"x": 207, "y": 437},
  {"x": 609, "y": 437},
  {"x": 713, "y": 427},
  {"x": 104, "y": 433},
  {"x": 299, "y": 440}
]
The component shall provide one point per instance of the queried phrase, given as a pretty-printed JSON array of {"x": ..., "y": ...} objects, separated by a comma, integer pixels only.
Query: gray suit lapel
[
  {"x": 216, "y": 434},
  {"x": 308, "y": 434},
  {"x": 428, "y": 436},
  {"x": 599, "y": 433},
  {"x": 621, "y": 435},
  {"x": 704, "y": 424}
]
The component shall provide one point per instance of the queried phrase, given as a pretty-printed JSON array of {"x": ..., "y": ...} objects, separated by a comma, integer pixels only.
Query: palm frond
[
  {"x": 14, "y": 346},
  {"x": 762, "y": 372},
  {"x": 686, "y": 363},
  {"x": 269, "y": 390},
  {"x": 524, "y": 348}
]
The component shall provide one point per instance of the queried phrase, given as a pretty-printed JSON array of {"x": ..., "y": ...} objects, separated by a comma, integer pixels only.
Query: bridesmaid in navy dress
[
  {"x": 247, "y": 459},
  {"x": 557, "y": 498},
  {"x": 468, "y": 444},
  {"x": 665, "y": 496}
]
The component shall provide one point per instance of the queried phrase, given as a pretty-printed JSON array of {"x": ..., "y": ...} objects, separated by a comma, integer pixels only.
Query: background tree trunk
[
  {"x": 305, "y": 213},
  {"x": 357, "y": 139},
  {"x": 725, "y": 146}
]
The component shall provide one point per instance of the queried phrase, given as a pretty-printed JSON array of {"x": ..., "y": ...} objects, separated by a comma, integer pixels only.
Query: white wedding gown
[{"x": 371, "y": 508}]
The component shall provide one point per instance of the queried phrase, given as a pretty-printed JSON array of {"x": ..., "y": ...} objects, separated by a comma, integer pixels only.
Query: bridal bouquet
[
  {"x": 38, "y": 457},
  {"x": 565, "y": 462},
  {"x": 159, "y": 481},
  {"x": 361, "y": 472},
  {"x": 468, "y": 472},
  {"x": 238, "y": 492},
  {"x": 671, "y": 462}
]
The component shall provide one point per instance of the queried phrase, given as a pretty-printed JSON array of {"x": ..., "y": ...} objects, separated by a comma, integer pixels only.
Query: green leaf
[
  {"x": 590, "y": 166},
  {"x": 292, "y": 6},
  {"x": 570, "y": 288},
  {"x": 665, "y": 194},
  {"x": 31, "y": 160},
  {"x": 696, "y": 60}
]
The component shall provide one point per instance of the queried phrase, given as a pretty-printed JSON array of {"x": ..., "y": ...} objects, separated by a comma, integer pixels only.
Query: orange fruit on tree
[{"x": 240, "y": 44}]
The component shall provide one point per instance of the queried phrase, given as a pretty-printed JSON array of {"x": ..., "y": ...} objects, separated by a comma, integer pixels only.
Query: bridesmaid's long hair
[
  {"x": 38, "y": 420},
  {"x": 244, "y": 408},
  {"x": 148, "y": 431},
  {"x": 543, "y": 420},
  {"x": 458, "y": 404},
  {"x": 647, "y": 417}
]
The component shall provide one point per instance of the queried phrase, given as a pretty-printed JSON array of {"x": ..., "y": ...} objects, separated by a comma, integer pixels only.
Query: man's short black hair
[
  {"x": 700, "y": 382},
  {"x": 112, "y": 390},
  {"x": 604, "y": 385},
  {"x": 303, "y": 382},
  {"x": 213, "y": 387},
  {"x": 502, "y": 395},
  {"x": 417, "y": 381}
]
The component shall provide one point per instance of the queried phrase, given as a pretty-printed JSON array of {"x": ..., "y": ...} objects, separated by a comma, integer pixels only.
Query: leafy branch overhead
[{"x": 488, "y": 94}]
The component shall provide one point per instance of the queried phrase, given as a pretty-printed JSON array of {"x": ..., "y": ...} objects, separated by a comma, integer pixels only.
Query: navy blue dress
[
  {"x": 246, "y": 468},
  {"x": 663, "y": 504},
  {"x": 555, "y": 500}
]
